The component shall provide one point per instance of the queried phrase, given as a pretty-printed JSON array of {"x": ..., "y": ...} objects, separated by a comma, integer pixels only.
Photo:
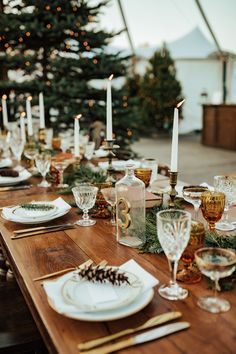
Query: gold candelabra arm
[
  {"x": 77, "y": 162},
  {"x": 173, "y": 192},
  {"x": 110, "y": 146}
]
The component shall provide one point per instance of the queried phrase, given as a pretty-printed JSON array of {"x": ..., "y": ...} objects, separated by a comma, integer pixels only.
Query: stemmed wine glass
[
  {"x": 30, "y": 152},
  {"x": 85, "y": 197},
  {"x": 215, "y": 263},
  {"x": 212, "y": 206},
  {"x": 17, "y": 147},
  {"x": 110, "y": 196},
  {"x": 61, "y": 165},
  {"x": 227, "y": 185},
  {"x": 43, "y": 162},
  {"x": 192, "y": 194},
  {"x": 89, "y": 150},
  {"x": 173, "y": 230}
]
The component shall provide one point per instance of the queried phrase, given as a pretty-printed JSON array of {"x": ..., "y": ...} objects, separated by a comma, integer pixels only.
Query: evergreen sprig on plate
[
  {"x": 34, "y": 206},
  {"x": 97, "y": 273}
]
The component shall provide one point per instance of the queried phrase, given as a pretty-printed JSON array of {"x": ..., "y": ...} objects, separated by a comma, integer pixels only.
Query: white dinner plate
[
  {"x": 5, "y": 163},
  {"x": 20, "y": 211},
  {"x": 28, "y": 221},
  {"x": 100, "y": 153},
  {"x": 80, "y": 293},
  {"x": 11, "y": 181},
  {"x": 73, "y": 312},
  {"x": 119, "y": 165}
]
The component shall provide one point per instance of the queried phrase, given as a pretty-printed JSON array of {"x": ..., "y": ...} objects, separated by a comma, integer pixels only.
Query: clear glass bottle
[{"x": 130, "y": 210}]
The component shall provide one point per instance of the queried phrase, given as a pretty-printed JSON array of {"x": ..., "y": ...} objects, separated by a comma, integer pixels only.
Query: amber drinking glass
[
  {"x": 212, "y": 206},
  {"x": 189, "y": 273},
  {"x": 144, "y": 174}
]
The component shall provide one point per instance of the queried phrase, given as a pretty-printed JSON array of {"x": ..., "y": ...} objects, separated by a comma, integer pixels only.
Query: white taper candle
[
  {"x": 29, "y": 116},
  {"x": 109, "y": 110}
]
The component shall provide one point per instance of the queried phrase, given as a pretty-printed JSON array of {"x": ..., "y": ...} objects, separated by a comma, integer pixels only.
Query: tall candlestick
[
  {"x": 175, "y": 138},
  {"x": 22, "y": 126},
  {"x": 4, "y": 111},
  {"x": 29, "y": 116},
  {"x": 76, "y": 136},
  {"x": 109, "y": 109},
  {"x": 174, "y": 146},
  {"x": 41, "y": 112}
]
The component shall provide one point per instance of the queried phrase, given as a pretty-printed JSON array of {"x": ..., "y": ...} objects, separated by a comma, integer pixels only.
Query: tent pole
[{"x": 223, "y": 56}]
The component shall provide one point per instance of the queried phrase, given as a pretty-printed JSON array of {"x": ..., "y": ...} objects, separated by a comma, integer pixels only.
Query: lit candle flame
[
  {"x": 180, "y": 103},
  {"x": 110, "y": 77},
  {"x": 29, "y": 98},
  {"x": 4, "y": 97},
  {"x": 78, "y": 116},
  {"x": 22, "y": 114}
]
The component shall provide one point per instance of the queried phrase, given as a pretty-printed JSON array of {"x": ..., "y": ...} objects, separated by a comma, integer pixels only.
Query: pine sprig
[
  {"x": 41, "y": 207},
  {"x": 102, "y": 274}
]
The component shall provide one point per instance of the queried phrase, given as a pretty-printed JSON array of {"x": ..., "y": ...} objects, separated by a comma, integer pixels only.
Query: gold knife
[
  {"x": 141, "y": 338},
  {"x": 11, "y": 188},
  {"x": 27, "y": 234},
  {"x": 38, "y": 228},
  {"x": 152, "y": 322}
]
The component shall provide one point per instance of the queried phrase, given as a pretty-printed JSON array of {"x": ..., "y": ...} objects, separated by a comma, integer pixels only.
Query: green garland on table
[{"x": 82, "y": 174}]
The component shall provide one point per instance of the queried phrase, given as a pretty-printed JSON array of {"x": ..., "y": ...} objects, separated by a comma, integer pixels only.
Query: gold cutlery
[
  {"x": 141, "y": 338},
  {"x": 41, "y": 232},
  {"x": 50, "y": 275},
  {"x": 39, "y": 228},
  {"x": 152, "y": 322},
  {"x": 5, "y": 189}
]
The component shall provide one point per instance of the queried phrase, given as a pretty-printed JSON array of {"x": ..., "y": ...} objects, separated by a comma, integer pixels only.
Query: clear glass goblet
[
  {"x": 110, "y": 196},
  {"x": 89, "y": 150},
  {"x": 30, "y": 152},
  {"x": 215, "y": 263},
  {"x": 212, "y": 206},
  {"x": 226, "y": 185},
  {"x": 43, "y": 163},
  {"x": 85, "y": 197},
  {"x": 17, "y": 148},
  {"x": 192, "y": 195},
  {"x": 173, "y": 231}
]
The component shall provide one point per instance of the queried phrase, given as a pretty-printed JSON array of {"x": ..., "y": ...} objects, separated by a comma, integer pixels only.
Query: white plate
[
  {"x": 119, "y": 165},
  {"x": 5, "y": 163},
  {"x": 33, "y": 221},
  {"x": 100, "y": 153},
  {"x": 80, "y": 293},
  {"x": 11, "y": 181},
  {"x": 21, "y": 212},
  {"x": 138, "y": 304}
]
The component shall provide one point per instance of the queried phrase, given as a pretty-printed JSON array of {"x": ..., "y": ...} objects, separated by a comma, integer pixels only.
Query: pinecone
[{"x": 102, "y": 274}]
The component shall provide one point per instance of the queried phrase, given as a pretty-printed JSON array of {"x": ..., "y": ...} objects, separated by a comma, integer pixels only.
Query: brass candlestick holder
[
  {"x": 173, "y": 192},
  {"x": 110, "y": 146},
  {"x": 77, "y": 162},
  {"x": 42, "y": 136}
]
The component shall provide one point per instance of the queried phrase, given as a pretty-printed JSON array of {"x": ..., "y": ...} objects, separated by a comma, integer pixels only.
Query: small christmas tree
[
  {"x": 159, "y": 92},
  {"x": 58, "y": 48}
]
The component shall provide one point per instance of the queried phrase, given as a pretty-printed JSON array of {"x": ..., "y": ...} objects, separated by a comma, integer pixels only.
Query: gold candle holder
[
  {"x": 110, "y": 146},
  {"x": 42, "y": 136},
  {"x": 173, "y": 192},
  {"x": 77, "y": 163}
]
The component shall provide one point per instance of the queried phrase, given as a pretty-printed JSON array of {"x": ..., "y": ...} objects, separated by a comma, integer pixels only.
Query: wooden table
[{"x": 34, "y": 256}]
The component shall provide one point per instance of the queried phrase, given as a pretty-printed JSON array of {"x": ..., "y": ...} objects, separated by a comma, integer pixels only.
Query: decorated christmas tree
[
  {"x": 59, "y": 48},
  {"x": 160, "y": 91}
]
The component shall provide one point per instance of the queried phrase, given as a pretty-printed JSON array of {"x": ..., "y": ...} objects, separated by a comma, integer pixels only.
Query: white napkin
[
  {"x": 5, "y": 162},
  {"x": 53, "y": 288},
  {"x": 120, "y": 164},
  {"x": 59, "y": 202}
]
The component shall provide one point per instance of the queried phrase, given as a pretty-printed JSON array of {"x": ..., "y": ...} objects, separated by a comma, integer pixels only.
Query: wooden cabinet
[{"x": 219, "y": 126}]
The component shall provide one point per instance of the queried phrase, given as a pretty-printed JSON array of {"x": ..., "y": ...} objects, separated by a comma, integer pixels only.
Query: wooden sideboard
[{"x": 219, "y": 126}]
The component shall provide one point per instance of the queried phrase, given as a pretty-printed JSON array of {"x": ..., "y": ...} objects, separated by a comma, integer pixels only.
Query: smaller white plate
[
  {"x": 57, "y": 302},
  {"x": 22, "y": 212},
  {"x": 11, "y": 181},
  {"x": 100, "y": 153},
  {"x": 5, "y": 163},
  {"x": 77, "y": 291}
]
